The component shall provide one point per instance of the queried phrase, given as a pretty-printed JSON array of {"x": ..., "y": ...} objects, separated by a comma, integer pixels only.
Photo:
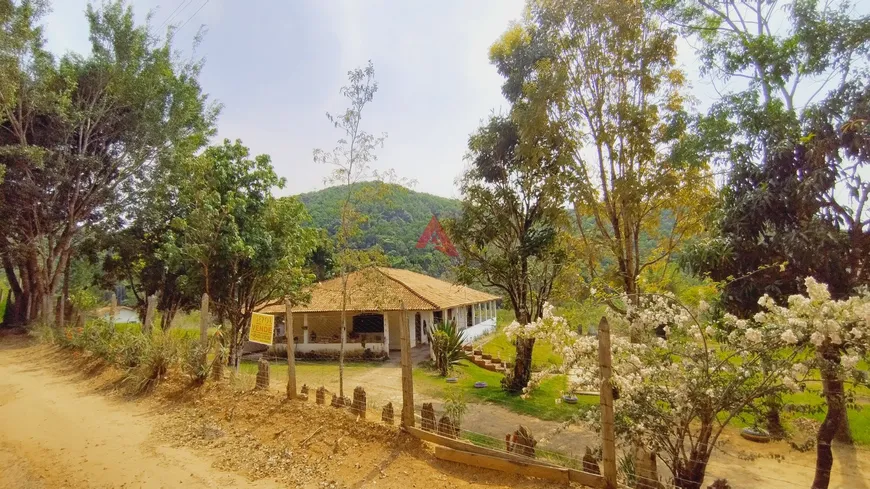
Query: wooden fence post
[
  {"x": 149, "y": 314},
  {"x": 113, "y": 309},
  {"x": 48, "y": 306},
  {"x": 291, "y": 351},
  {"x": 608, "y": 435},
  {"x": 407, "y": 373},
  {"x": 204, "y": 320},
  {"x": 61, "y": 312}
]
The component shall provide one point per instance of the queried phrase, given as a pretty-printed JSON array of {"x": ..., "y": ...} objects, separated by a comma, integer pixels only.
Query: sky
[{"x": 277, "y": 68}]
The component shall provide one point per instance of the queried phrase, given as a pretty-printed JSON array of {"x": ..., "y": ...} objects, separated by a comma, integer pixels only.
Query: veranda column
[
  {"x": 387, "y": 334},
  {"x": 305, "y": 328},
  {"x": 475, "y": 314},
  {"x": 412, "y": 327},
  {"x": 430, "y": 320}
]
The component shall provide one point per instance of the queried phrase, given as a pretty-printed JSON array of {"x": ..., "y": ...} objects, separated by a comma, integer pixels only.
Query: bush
[
  {"x": 159, "y": 353},
  {"x": 127, "y": 348},
  {"x": 195, "y": 360},
  {"x": 97, "y": 337},
  {"x": 446, "y": 345},
  {"x": 45, "y": 333}
]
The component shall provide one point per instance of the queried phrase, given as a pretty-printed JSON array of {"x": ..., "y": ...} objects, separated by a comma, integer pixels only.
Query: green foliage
[
  {"x": 194, "y": 362},
  {"x": 794, "y": 142},
  {"x": 510, "y": 234},
  {"x": 239, "y": 243},
  {"x": 447, "y": 344},
  {"x": 128, "y": 347},
  {"x": 604, "y": 74},
  {"x": 83, "y": 134},
  {"x": 455, "y": 405},
  {"x": 393, "y": 223},
  {"x": 543, "y": 403},
  {"x": 159, "y": 353}
]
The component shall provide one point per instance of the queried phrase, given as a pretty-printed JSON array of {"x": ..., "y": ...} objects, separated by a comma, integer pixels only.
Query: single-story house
[
  {"x": 375, "y": 299},
  {"x": 123, "y": 314}
]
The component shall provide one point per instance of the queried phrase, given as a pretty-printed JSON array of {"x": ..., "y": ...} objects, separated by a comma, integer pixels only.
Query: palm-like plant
[{"x": 446, "y": 345}]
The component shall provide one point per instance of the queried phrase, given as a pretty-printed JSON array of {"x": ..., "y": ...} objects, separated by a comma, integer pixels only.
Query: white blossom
[
  {"x": 753, "y": 335},
  {"x": 849, "y": 361}
]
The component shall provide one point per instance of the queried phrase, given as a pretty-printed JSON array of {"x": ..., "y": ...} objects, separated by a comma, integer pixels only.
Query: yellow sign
[{"x": 262, "y": 328}]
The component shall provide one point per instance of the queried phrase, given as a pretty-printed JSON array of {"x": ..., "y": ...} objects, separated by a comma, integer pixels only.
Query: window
[{"x": 368, "y": 323}]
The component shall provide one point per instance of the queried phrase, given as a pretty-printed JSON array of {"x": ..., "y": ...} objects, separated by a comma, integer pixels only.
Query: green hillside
[{"x": 397, "y": 218}]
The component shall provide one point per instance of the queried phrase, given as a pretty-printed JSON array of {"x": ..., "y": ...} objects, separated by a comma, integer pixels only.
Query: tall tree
[
  {"x": 608, "y": 76},
  {"x": 508, "y": 234},
  {"x": 352, "y": 160},
  {"x": 791, "y": 135},
  {"x": 257, "y": 244},
  {"x": 78, "y": 134},
  {"x": 604, "y": 73},
  {"x": 794, "y": 69}
]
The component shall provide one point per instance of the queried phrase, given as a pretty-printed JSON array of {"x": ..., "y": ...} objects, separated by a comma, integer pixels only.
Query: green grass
[
  {"x": 188, "y": 334},
  {"x": 499, "y": 346},
  {"x": 542, "y": 404},
  {"x": 3, "y": 293},
  {"x": 859, "y": 418},
  {"x": 543, "y": 356}
]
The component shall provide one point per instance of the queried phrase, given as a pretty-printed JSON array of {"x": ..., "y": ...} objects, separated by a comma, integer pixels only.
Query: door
[{"x": 418, "y": 327}]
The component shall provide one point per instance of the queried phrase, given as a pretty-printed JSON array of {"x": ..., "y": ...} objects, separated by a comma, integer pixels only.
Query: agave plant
[{"x": 446, "y": 345}]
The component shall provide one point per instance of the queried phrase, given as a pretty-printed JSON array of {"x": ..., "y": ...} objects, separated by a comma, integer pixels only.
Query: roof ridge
[{"x": 403, "y": 284}]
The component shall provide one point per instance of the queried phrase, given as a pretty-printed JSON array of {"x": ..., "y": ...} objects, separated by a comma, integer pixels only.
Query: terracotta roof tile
[{"x": 384, "y": 289}]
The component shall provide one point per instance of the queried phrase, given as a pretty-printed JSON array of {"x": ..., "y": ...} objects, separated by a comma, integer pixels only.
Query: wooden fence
[{"x": 455, "y": 450}]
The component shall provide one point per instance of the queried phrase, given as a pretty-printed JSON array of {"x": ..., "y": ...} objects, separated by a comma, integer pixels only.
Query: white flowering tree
[
  {"x": 832, "y": 336},
  {"x": 676, "y": 394}
]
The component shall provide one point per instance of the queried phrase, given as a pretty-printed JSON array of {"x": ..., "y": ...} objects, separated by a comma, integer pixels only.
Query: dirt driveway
[{"x": 54, "y": 435}]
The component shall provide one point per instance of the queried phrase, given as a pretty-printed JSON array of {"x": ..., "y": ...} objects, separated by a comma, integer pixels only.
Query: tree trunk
[
  {"x": 341, "y": 354},
  {"x": 690, "y": 477},
  {"x": 844, "y": 433},
  {"x": 835, "y": 399},
  {"x": 773, "y": 422},
  {"x": 64, "y": 295},
  {"x": 522, "y": 371}
]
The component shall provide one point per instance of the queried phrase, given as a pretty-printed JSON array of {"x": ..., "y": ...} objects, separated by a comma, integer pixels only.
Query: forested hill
[{"x": 397, "y": 218}]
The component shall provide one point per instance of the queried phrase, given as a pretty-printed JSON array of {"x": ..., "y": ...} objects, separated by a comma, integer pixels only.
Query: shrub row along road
[{"x": 54, "y": 434}]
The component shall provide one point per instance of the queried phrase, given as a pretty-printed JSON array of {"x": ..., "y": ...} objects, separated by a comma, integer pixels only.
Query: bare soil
[
  {"x": 66, "y": 422},
  {"x": 745, "y": 464}
]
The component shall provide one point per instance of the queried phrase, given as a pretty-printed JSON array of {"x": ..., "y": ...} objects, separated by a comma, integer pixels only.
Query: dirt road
[
  {"x": 55, "y": 434},
  {"x": 58, "y": 429}
]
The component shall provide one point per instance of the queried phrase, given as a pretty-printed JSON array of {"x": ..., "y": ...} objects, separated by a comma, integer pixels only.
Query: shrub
[
  {"x": 194, "y": 360},
  {"x": 455, "y": 406},
  {"x": 45, "y": 333},
  {"x": 127, "y": 348},
  {"x": 97, "y": 337},
  {"x": 159, "y": 353},
  {"x": 446, "y": 345}
]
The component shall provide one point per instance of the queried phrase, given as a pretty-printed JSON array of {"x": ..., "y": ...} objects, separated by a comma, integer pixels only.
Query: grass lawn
[
  {"x": 541, "y": 404},
  {"x": 499, "y": 346},
  {"x": 859, "y": 417}
]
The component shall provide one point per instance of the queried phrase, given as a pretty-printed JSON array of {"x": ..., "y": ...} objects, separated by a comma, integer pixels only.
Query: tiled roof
[{"x": 384, "y": 289}]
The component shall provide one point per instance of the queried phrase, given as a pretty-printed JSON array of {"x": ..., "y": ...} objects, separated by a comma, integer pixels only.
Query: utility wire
[
  {"x": 184, "y": 4},
  {"x": 194, "y": 14}
]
